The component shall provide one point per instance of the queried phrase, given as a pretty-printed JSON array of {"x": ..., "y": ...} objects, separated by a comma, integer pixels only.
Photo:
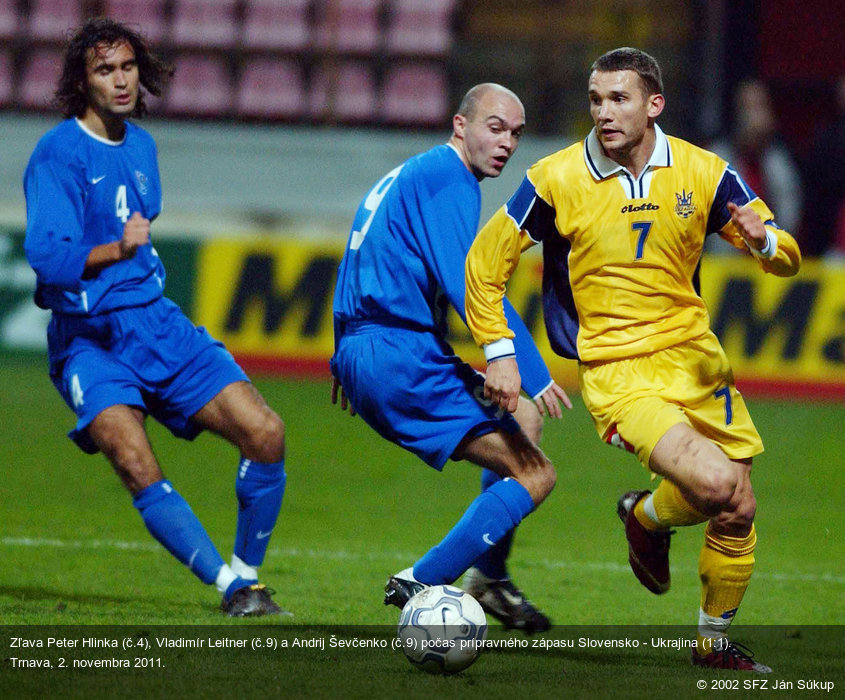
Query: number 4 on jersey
[{"x": 121, "y": 207}]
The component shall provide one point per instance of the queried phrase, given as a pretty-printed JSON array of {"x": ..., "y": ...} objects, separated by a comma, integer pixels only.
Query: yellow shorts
[{"x": 634, "y": 401}]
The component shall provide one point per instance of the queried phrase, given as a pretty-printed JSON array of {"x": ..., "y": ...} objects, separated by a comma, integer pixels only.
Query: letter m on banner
[{"x": 789, "y": 320}]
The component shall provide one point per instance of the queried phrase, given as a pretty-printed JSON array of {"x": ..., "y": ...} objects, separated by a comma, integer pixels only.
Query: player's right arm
[
  {"x": 490, "y": 263},
  {"x": 55, "y": 246},
  {"x": 54, "y": 219},
  {"x": 136, "y": 232}
]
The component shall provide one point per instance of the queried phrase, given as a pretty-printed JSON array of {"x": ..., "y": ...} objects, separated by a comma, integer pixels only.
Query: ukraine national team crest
[
  {"x": 684, "y": 208},
  {"x": 142, "y": 181}
]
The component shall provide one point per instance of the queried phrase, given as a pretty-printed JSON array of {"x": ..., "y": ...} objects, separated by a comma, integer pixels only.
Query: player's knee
[
  {"x": 737, "y": 521},
  {"x": 743, "y": 518},
  {"x": 540, "y": 482},
  {"x": 135, "y": 466},
  {"x": 742, "y": 509},
  {"x": 717, "y": 489},
  {"x": 531, "y": 421},
  {"x": 549, "y": 480},
  {"x": 265, "y": 442}
]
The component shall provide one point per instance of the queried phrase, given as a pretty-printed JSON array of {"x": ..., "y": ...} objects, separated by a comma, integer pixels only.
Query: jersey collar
[
  {"x": 99, "y": 138},
  {"x": 601, "y": 167}
]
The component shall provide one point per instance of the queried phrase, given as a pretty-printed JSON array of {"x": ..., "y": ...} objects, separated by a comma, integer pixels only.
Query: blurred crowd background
[{"x": 761, "y": 82}]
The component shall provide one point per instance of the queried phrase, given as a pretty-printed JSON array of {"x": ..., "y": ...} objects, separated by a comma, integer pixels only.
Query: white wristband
[
  {"x": 768, "y": 251},
  {"x": 498, "y": 349}
]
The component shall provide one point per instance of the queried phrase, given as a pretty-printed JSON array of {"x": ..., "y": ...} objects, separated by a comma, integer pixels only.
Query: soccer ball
[{"x": 442, "y": 629}]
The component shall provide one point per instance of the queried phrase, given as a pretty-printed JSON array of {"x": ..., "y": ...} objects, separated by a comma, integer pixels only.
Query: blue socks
[
  {"x": 171, "y": 521},
  {"x": 489, "y": 518},
  {"x": 260, "y": 488},
  {"x": 493, "y": 563}
]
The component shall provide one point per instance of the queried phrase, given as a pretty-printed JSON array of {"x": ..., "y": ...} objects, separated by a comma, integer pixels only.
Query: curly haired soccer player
[
  {"x": 403, "y": 265},
  {"x": 622, "y": 217},
  {"x": 119, "y": 350}
]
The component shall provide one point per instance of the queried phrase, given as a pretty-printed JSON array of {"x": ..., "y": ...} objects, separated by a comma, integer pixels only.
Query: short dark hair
[
  {"x": 71, "y": 94},
  {"x": 640, "y": 62}
]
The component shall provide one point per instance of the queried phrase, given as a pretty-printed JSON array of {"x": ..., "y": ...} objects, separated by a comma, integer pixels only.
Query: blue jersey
[
  {"x": 405, "y": 257},
  {"x": 80, "y": 190}
]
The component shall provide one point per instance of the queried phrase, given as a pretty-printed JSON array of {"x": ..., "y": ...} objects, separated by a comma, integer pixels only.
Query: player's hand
[
  {"x": 502, "y": 383},
  {"x": 344, "y": 402},
  {"x": 136, "y": 232},
  {"x": 551, "y": 399},
  {"x": 749, "y": 224}
]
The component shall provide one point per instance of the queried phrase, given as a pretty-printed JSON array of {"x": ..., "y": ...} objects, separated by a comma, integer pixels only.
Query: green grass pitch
[{"x": 357, "y": 509}]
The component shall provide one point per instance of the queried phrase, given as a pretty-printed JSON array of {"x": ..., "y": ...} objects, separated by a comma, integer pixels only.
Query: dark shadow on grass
[
  {"x": 33, "y": 593},
  {"x": 63, "y": 603}
]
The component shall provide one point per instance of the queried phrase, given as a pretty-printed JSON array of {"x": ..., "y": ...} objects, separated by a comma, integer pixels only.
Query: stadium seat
[
  {"x": 144, "y": 15},
  {"x": 39, "y": 79},
  {"x": 204, "y": 23},
  {"x": 8, "y": 18},
  {"x": 53, "y": 19},
  {"x": 199, "y": 88},
  {"x": 415, "y": 94},
  {"x": 6, "y": 78},
  {"x": 421, "y": 27},
  {"x": 270, "y": 88},
  {"x": 350, "y": 26},
  {"x": 276, "y": 24},
  {"x": 343, "y": 93}
]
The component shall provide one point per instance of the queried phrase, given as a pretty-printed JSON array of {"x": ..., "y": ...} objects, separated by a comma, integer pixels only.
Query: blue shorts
[
  {"x": 151, "y": 357},
  {"x": 413, "y": 390}
]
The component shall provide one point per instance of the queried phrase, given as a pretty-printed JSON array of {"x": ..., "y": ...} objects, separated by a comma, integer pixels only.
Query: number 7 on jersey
[{"x": 643, "y": 227}]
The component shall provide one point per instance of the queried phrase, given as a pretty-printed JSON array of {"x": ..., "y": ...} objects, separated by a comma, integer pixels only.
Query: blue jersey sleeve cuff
[
  {"x": 543, "y": 390},
  {"x": 499, "y": 349}
]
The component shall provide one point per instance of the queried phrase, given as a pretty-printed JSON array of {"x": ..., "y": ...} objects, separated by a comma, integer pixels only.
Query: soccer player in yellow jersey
[{"x": 622, "y": 217}]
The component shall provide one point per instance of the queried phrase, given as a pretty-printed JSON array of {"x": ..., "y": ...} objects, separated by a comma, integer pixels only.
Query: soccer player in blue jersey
[
  {"x": 403, "y": 265},
  {"x": 119, "y": 350},
  {"x": 622, "y": 217}
]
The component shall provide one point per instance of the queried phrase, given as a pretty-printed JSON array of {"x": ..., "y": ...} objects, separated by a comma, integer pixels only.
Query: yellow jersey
[{"x": 621, "y": 254}]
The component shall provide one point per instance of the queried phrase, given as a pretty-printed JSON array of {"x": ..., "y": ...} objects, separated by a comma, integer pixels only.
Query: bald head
[
  {"x": 486, "y": 128},
  {"x": 469, "y": 105}
]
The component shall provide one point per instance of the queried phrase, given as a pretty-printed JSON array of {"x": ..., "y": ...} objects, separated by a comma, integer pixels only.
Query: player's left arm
[
  {"x": 747, "y": 223},
  {"x": 775, "y": 249}
]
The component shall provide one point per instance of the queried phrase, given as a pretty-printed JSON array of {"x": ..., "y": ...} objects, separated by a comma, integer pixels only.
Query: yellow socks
[
  {"x": 725, "y": 567},
  {"x": 666, "y": 508}
]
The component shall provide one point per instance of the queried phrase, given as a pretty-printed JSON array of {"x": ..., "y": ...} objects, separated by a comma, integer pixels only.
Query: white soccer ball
[{"x": 442, "y": 629}]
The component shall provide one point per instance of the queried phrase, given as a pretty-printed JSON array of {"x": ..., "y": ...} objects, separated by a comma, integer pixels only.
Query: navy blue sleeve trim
[
  {"x": 531, "y": 213},
  {"x": 732, "y": 188},
  {"x": 559, "y": 312}
]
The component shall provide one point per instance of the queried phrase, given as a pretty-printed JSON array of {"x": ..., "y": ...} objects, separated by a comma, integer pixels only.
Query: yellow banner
[
  {"x": 779, "y": 329},
  {"x": 272, "y": 298},
  {"x": 268, "y": 296}
]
